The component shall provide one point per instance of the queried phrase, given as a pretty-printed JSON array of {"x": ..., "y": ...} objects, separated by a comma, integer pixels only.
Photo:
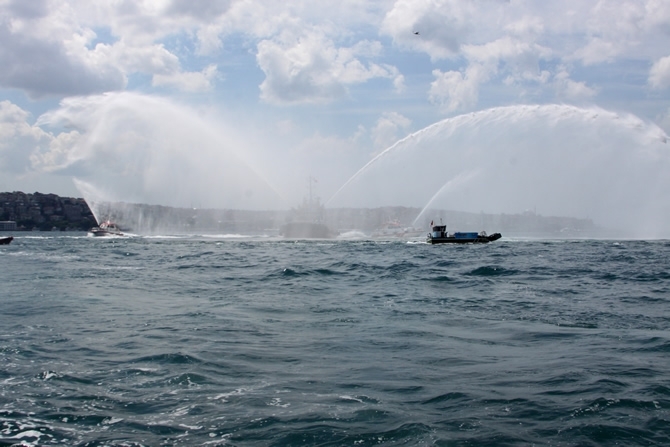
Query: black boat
[
  {"x": 6, "y": 240},
  {"x": 439, "y": 235}
]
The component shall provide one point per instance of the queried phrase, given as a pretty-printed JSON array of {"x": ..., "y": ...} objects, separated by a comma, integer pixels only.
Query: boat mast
[
  {"x": 310, "y": 179},
  {"x": 313, "y": 207}
]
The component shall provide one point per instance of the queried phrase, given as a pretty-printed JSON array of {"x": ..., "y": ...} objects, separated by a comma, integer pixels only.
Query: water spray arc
[
  {"x": 151, "y": 150},
  {"x": 569, "y": 161},
  {"x": 566, "y": 160},
  {"x": 451, "y": 184}
]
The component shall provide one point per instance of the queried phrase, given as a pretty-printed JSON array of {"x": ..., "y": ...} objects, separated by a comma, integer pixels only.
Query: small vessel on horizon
[
  {"x": 106, "y": 228},
  {"x": 307, "y": 221},
  {"x": 439, "y": 235}
]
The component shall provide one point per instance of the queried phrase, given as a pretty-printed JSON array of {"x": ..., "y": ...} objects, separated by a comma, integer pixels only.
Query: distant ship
[
  {"x": 439, "y": 235},
  {"x": 106, "y": 228},
  {"x": 306, "y": 221}
]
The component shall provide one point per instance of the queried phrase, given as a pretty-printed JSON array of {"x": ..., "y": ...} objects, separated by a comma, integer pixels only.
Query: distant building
[{"x": 7, "y": 225}]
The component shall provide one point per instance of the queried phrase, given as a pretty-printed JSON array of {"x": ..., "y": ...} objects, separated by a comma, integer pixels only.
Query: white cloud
[
  {"x": 390, "y": 127},
  {"x": 209, "y": 40},
  {"x": 310, "y": 68},
  {"x": 315, "y": 52},
  {"x": 51, "y": 48},
  {"x": 44, "y": 52},
  {"x": 453, "y": 90},
  {"x": 312, "y": 52},
  {"x": 398, "y": 81},
  {"x": 442, "y": 25},
  {"x": 143, "y": 59},
  {"x": 200, "y": 10},
  {"x": 58, "y": 154},
  {"x": 188, "y": 81},
  {"x": 567, "y": 89},
  {"x": 521, "y": 42},
  {"x": 19, "y": 140},
  {"x": 663, "y": 121},
  {"x": 516, "y": 59},
  {"x": 519, "y": 59},
  {"x": 659, "y": 76},
  {"x": 597, "y": 51},
  {"x": 514, "y": 54},
  {"x": 527, "y": 25}
]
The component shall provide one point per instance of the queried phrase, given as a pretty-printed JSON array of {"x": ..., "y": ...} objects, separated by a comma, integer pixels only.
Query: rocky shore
[{"x": 45, "y": 212}]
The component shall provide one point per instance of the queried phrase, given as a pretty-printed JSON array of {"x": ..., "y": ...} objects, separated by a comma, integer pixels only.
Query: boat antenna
[{"x": 309, "y": 180}]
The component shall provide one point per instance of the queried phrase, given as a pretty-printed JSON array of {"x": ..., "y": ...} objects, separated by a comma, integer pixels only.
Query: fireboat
[
  {"x": 106, "y": 228},
  {"x": 439, "y": 235}
]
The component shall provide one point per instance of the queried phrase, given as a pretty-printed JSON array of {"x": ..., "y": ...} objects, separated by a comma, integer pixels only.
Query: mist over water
[
  {"x": 559, "y": 160},
  {"x": 143, "y": 149},
  {"x": 555, "y": 159}
]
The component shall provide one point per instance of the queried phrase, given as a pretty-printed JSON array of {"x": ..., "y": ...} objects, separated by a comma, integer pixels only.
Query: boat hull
[
  {"x": 101, "y": 233},
  {"x": 6, "y": 240},
  {"x": 462, "y": 240}
]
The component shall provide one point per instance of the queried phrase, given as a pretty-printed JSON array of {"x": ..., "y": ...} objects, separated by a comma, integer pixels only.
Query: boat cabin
[{"x": 439, "y": 231}]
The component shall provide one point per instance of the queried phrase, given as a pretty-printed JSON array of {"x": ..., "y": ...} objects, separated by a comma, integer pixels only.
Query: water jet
[{"x": 568, "y": 161}]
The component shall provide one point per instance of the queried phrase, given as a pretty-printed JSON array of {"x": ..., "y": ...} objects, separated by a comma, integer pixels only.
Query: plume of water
[
  {"x": 563, "y": 160},
  {"x": 142, "y": 149}
]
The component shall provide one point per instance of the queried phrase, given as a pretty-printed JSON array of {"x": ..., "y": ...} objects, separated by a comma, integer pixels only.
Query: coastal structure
[{"x": 7, "y": 225}]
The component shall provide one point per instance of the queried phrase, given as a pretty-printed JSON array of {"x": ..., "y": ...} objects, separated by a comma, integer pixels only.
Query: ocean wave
[{"x": 198, "y": 341}]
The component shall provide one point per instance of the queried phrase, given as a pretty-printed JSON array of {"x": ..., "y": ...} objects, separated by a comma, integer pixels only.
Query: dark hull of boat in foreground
[
  {"x": 6, "y": 240},
  {"x": 461, "y": 240},
  {"x": 440, "y": 236}
]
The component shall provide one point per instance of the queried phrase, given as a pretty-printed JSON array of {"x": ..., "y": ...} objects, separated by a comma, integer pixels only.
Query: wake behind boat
[
  {"x": 439, "y": 235},
  {"x": 106, "y": 228}
]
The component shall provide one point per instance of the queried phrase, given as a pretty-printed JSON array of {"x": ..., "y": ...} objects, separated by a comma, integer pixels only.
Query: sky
[{"x": 217, "y": 103}]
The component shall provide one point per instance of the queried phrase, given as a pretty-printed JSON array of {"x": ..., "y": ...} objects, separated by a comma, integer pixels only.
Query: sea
[{"x": 227, "y": 340}]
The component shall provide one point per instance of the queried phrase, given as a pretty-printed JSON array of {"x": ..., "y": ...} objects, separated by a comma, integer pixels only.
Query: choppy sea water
[{"x": 240, "y": 342}]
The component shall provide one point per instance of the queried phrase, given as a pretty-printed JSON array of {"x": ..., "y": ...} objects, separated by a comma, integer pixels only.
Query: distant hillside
[
  {"x": 148, "y": 219},
  {"x": 45, "y": 212}
]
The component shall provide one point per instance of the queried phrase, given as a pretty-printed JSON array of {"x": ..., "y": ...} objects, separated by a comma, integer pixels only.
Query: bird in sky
[{"x": 416, "y": 32}]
